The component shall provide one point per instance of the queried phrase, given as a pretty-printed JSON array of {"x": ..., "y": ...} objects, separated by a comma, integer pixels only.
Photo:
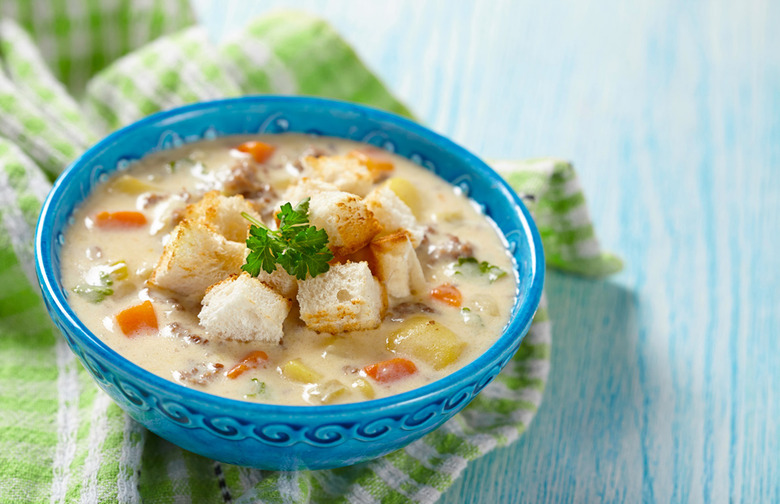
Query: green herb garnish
[
  {"x": 299, "y": 248},
  {"x": 485, "y": 268}
]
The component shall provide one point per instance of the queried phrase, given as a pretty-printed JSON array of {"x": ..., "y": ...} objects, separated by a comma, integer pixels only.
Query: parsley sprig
[{"x": 299, "y": 248}]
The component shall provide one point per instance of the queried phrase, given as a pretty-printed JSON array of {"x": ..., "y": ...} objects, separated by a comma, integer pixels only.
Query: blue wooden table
[{"x": 665, "y": 378}]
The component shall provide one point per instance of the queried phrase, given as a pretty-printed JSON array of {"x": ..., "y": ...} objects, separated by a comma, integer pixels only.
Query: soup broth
[{"x": 420, "y": 283}]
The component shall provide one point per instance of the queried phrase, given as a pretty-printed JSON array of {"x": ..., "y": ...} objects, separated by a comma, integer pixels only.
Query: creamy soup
[{"x": 418, "y": 282}]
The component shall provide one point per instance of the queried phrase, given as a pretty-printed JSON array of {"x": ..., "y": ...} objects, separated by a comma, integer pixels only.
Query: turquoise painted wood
[{"x": 666, "y": 378}]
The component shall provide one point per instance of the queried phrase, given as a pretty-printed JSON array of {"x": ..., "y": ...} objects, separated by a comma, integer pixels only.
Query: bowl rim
[{"x": 517, "y": 325}]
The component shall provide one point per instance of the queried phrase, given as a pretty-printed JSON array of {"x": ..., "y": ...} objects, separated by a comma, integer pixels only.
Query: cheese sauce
[{"x": 105, "y": 270}]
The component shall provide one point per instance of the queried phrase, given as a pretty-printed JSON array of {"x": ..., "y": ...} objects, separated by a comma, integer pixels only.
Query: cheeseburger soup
[{"x": 288, "y": 269}]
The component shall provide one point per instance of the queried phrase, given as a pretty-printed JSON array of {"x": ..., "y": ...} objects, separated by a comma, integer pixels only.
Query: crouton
[
  {"x": 345, "y": 298},
  {"x": 195, "y": 257},
  {"x": 243, "y": 308},
  {"x": 280, "y": 281},
  {"x": 393, "y": 214},
  {"x": 395, "y": 263},
  {"x": 223, "y": 213},
  {"x": 344, "y": 216},
  {"x": 378, "y": 161},
  {"x": 304, "y": 188},
  {"x": 348, "y": 173}
]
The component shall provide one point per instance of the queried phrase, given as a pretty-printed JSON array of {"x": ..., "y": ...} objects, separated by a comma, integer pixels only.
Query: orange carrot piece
[
  {"x": 137, "y": 319},
  {"x": 260, "y": 151},
  {"x": 390, "y": 370},
  {"x": 252, "y": 360},
  {"x": 121, "y": 219},
  {"x": 447, "y": 293},
  {"x": 376, "y": 160}
]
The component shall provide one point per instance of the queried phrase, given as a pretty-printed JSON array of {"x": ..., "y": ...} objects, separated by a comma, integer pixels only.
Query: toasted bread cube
[
  {"x": 393, "y": 214},
  {"x": 243, "y": 308},
  {"x": 194, "y": 258},
  {"x": 349, "y": 223},
  {"x": 223, "y": 213},
  {"x": 345, "y": 298},
  {"x": 348, "y": 173},
  {"x": 305, "y": 188},
  {"x": 396, "y": 265},
  {"x": 280, "y": 281},
  {"x": 378, "y": 161}
]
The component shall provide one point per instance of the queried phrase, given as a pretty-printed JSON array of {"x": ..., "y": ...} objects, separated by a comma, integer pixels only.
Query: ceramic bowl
[{"x": 272, "y": 436}]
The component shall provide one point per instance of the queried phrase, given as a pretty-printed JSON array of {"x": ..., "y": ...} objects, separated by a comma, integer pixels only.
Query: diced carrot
[
  {"x": 260, "y": 151},
  {"x": 137, "y": 319},
  {"x": 447, "y": 293},
  {"x": 121, "y": 219},
  {"x": 390, "y": 370},
  {"x": 376, "y": 160},
  {"x": 252, "y": 360}
]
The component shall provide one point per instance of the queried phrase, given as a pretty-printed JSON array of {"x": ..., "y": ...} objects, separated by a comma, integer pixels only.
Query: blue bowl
[{"x": 271, "y": 436}]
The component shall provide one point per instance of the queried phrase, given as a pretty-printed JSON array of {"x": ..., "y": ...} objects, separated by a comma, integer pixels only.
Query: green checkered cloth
[{"x": 61, "y": 438}]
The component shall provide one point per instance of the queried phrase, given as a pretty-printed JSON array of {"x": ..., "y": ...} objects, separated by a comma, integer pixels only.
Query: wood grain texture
[{"x": 665, "y": 378}]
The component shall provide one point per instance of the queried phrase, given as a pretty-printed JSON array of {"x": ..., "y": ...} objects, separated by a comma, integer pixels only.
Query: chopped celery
[
  {"x": 470, "y": 265},
  {"x": 98, "y": 281},
  {"x": 470, "y": 318},
  {"x": 258, "y": 389},
  {"x": 341, "y": 346},
  {"x": 485, "y": 304},
  {"x": 118, "y": 270},
  {"x": 93, "y": 293},
  {"x": 364, "y": 387},
  {"x": 328, "y": 392},
  {"x": 173, "y": 166}
]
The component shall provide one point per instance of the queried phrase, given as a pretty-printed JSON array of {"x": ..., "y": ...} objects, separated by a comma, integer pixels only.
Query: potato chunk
[
  {"x": 296, "y": 370},
  {"x": 428, "y": 341},
  {"x": 131, "y": 185},
  {"x": 404, "y": 189}
]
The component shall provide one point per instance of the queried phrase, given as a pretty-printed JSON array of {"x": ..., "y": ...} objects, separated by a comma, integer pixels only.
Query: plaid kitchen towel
[{"x": 61, "y": 438}]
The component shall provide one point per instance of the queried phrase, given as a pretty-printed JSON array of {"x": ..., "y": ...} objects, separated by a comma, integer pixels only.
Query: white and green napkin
[{"x": 62, "y": 88}]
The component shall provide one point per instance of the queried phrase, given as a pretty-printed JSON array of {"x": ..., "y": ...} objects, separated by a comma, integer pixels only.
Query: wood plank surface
[{"x": 665, "y": 378}]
